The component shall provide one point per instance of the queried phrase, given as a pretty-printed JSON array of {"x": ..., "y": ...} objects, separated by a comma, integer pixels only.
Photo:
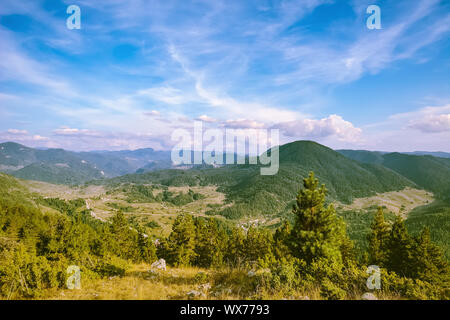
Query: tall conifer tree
[
  {"x": 399, "y": 248},
  {"x": 378, "y": 239},
  {"x": 318, "y": 232}
]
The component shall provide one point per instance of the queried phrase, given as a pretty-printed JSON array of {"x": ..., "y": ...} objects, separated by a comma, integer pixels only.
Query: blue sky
[{"x": 137, "y": 70}]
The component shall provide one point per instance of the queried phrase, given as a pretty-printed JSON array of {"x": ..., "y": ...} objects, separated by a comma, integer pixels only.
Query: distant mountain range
[
  {"x": 439, "y": 154},
  {"x": 427, "y": 153},
  {"x": 347, "y": 173},
  {"x": 67, "y": 167}
]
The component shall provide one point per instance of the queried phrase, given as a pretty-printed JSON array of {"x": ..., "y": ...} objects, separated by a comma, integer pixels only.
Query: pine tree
[
  {"x": 429, "y": 263},
  {"x": 258, "y": 247},
  {"x": 378, "y": 239},
  {"x": 181, "y": 242},
  {"x": 235, "y": 251},
  {"x": 210, "y": 243},
  {"x": 124, "y": 241},
  {"x": 318, "y": 232},
  {"x": 399, "y": 249},
  {"x": 147, "y": 249},
  {"x": 119, "y": 225},
  {"x": 281, "y": 240}
]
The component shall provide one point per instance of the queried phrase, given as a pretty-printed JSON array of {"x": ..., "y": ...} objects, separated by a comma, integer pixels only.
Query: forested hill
[
  {"x": 252, "y": 193},
  {"x": 429, "y": 172}
]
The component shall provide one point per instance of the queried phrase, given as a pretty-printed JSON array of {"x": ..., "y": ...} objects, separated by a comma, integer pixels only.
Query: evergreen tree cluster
[
  {"x": 37, "y": 248},
  {"x": 206, "y": 243},
  {"x": 417, "y": 257}
]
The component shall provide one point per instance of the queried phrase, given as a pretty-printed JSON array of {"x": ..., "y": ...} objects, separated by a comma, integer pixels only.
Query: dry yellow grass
[
  {"x": 175, "y": 283},
  {"x": 137, "y": 284},
  {"x": 62, "y": 191}
]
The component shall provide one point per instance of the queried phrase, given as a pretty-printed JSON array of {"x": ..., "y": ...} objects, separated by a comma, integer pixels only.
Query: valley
[
  {"x": 357, "y": 183},
  {"x": 157, "y": 217},
  {"x": 227, "y": 206}
]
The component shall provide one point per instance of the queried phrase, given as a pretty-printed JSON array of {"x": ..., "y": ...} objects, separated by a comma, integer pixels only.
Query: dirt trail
[{"x": 93, "y": 214}]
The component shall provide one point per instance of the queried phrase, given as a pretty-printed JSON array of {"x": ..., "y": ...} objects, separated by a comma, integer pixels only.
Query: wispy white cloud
[
  {"x": 66, "y": 131},
  {"x": 167, "y": 95},
  {"x": 371, "y": 51},
  {"x": 17, "y": 131},
  {"x": 426, "y": 128},
  {"x": 334, "y": 126},
  {"x": 244, "y": 124},
  {"x": 427, "y": 120},
  {"x": 152, "y": 113},
  {"x": 23, "y": 136},
  {"x": 15, "y": 65},
  {"x": 206, "y": 118}
]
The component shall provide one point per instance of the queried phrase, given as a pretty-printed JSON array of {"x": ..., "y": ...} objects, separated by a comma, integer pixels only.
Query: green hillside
[
  {"x": 429, "y": 172},
  {"x": 51, "y": 165},
  {"x": 344, "y": 179},
  {"x": 10, "y": 188},
  {"x": 435, "y": 216},
  {"x": 373, "y": 157},
  {"x": 14, "y": 156},
  {"x": 426, "y": 171},
  {"x": 37, "y": 245},
  {"x": 58, "y": 173}
]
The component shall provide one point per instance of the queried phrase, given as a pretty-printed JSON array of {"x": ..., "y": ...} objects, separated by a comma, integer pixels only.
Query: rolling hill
[
  {"x": 429, "y": 172},
  {"x": 67, "y": 167},
  {"x": 250, "y": 193},
  {"x": 347, "y": 173},
  {"x": 51, "y": 165},
  {"x": 439, "y": 154}
]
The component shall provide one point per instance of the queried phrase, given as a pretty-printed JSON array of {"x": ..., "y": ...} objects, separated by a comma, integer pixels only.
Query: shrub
[
  {"x": 331, "y": 291},
  {"x": 112, "y": 266},
  {"x": 201, "y": 277}
]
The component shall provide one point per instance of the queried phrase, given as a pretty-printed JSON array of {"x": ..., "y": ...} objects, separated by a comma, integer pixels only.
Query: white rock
[
  {"x": 195, "y": 293},
  {"x": 368, "y": 296},
  {"x": 251, "y": 273},
  {"x": 205, "y": 286},
  {"x": 160, "y": 264}
]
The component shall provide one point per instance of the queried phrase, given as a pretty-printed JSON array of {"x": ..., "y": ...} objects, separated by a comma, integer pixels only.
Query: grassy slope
[{"x": 175, "y": 283}]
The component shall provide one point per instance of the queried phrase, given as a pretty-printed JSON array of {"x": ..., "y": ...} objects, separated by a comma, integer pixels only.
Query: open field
[
  {"x": 398, "y": 202},
  {"x": 62, "y": 191}
]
